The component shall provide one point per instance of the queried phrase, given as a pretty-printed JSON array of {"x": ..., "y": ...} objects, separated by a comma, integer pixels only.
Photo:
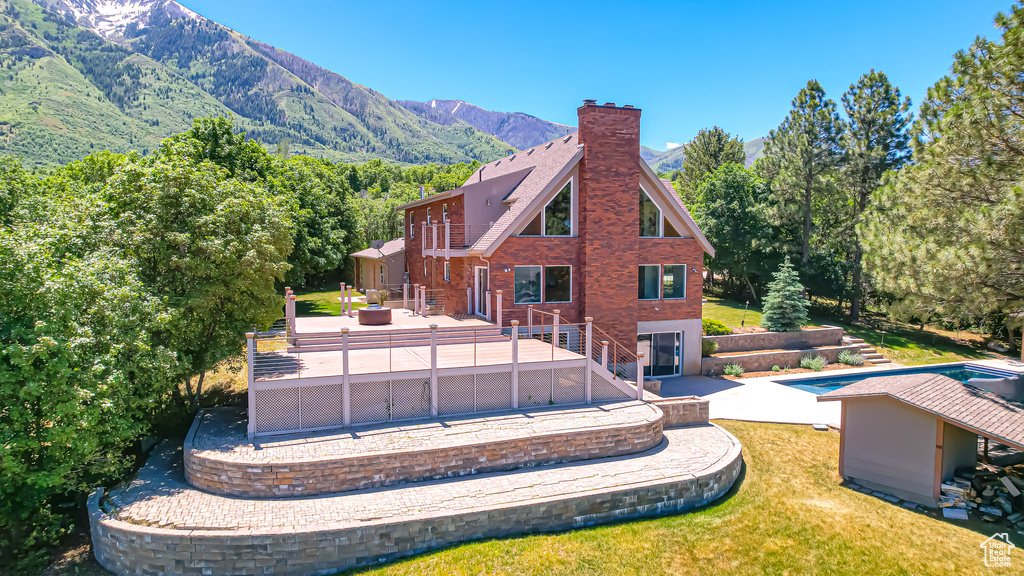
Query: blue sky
[{"x": 686, "y": 64}]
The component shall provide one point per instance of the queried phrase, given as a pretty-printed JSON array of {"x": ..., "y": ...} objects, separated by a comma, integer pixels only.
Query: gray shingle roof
[
  {"x": 546, "y": 161},
  {"x": 390, "y": 247},
  {"x": 969, "y": 406}
]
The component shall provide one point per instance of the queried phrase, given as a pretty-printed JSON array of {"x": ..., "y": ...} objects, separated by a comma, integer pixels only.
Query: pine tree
[
  {"x": 785, "y": 308},
  {"x": 877, "y": 141},
  {"x": 801, "y": 156}
]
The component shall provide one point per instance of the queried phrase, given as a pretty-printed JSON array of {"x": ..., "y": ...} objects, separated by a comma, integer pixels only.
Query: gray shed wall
[{"x": 890, "y": 445}]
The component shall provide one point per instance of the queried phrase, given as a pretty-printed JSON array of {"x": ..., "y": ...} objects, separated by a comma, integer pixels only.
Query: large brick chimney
[{"x": 609, "y": 216}]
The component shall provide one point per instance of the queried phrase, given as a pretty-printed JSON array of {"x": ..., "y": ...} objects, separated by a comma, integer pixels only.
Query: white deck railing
[{"x": 378, "y": 377}]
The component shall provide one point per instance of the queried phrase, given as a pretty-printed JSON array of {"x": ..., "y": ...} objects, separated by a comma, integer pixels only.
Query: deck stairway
[
  {"x": 408, "y": 337},
  {"x": 868, "y": 351}
]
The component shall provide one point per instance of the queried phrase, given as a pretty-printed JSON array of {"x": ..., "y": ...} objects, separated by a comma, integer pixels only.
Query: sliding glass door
[{"x": 661, "y": 353}]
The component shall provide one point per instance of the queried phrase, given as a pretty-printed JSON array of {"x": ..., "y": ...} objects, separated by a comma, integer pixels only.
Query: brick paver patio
[
  {"x": 160, "y": 496},
  {"x": 221, "y": 434}
]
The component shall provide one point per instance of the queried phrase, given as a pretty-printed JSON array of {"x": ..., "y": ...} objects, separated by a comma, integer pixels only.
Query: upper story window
[
  {"x": 556, "y": 218},
  {"x": 536, "y": 284},
  {"x": 649, "y": 282},
  {"x": 412, "y": 224},
  {"x": 444, "y": 213},
  {"x": 673, "y": 281},
  {"x": 428, "y": 216},
  {"x": 650, "y": 217}
]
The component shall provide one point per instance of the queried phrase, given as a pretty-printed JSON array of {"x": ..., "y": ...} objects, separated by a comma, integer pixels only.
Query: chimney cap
[
  {"x": 610, "y": 104},
  {"x": 627, "y": 106},
  {"x": 589, "y": 102}
]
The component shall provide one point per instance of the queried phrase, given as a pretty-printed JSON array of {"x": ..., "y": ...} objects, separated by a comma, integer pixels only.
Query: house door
[
  {"x": 480, "y": 292},
  {"x": 661, "y": 353}
]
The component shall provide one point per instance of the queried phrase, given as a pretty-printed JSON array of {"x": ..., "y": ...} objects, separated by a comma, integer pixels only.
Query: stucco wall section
[
  {"x": 959, "y": 448},
  {"x": 890, "y": 445}
]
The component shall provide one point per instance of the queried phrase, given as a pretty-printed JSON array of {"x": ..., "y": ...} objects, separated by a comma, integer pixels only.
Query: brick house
[{"x": 580, "y": 224}]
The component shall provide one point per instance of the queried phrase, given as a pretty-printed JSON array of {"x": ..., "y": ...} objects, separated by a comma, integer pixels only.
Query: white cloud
[{"x": 671, "y": 145}]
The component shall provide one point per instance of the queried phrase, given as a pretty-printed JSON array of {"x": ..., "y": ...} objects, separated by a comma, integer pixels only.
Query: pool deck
[{"x": 766, "y": 399}]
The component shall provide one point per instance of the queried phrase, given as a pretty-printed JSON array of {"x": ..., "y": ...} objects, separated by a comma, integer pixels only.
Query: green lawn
[
  {"x": 789, "y": 515},
  {"x": 322, "y": 303},
  {"x": 903, "y": 343}
]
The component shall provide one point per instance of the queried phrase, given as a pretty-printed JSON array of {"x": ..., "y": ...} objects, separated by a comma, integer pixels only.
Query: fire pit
[{"x": 374, "y": 315}]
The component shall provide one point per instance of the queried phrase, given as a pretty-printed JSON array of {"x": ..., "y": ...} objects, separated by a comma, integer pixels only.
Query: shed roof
[
  {"x": 389, "y": 248},
  {"x": 965, "y": 405}
]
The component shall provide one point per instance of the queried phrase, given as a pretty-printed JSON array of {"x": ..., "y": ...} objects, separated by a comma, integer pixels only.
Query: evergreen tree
[
  {"x": 709, "y": 149},
  {"x": 947, "y": 237},
  {"x": 785, "y": 308},
  {"x": 801, "y": 157},
  {"x": 877, "y": 141}
]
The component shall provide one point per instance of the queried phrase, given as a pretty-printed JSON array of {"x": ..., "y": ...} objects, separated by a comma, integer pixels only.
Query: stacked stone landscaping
[
  {"x": 323, "y": 503},
  {"x": 760, "y": 351}
]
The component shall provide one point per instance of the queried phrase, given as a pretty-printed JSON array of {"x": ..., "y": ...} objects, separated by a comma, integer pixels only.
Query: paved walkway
[
  {"x": 221, "y": 434},
  {"x": 160, "y": 496}
]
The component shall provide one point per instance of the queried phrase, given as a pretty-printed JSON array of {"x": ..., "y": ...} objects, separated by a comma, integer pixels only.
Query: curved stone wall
[
  {"x": 218, "y": 473},
  {"x": 131, "y": 549}
]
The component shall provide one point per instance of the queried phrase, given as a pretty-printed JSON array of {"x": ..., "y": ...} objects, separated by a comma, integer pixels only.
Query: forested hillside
[{"x": 67, "y": 91}]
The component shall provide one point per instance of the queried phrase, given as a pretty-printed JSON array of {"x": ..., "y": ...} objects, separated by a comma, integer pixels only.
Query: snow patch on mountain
[{"x": 110, "y": 18}]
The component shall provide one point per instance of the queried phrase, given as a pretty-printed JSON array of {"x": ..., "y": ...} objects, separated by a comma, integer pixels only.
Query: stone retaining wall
[
  {"x": 762, "y": 361},
  {"x": 683, "y": 411},
  {"x": 205, "y": 471},
  {"x": 809, "y": 338},
  {"x": 129, "y": 549}
]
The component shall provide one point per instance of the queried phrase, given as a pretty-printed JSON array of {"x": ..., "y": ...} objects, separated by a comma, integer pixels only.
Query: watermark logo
[{"x": 997, "y": 550}]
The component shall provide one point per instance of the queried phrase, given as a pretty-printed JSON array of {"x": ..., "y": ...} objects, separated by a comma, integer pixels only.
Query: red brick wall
[
  {"x": 609, "y": 181},
  {"x": 533, "y": 251},
  {"x": 674, "y": 251}
]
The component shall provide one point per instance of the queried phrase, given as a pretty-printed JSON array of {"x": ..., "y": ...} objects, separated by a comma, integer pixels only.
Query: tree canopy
[{"x": 710, "y": 149}]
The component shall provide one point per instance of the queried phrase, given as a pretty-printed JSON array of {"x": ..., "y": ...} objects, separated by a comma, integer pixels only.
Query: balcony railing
[{"x": 443, "y": 238}]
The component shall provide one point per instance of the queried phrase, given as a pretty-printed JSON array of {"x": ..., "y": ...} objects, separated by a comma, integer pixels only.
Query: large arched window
[{"x": 650, "y": 217}]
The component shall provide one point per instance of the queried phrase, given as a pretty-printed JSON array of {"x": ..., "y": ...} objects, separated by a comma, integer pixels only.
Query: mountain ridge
[{"x": 519, "y": 129}]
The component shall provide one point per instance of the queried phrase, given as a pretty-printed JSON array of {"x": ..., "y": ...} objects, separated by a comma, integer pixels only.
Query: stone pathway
[
  {"x": 221, "y": 434},
  {"x": 160, "y": 497}
]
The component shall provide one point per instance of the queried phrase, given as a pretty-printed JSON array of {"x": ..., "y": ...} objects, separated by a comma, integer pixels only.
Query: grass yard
[
  {"x": 789, "y": 515},
  {"x": 322, "y": 303},
  {"x": 903, "y": 343}
]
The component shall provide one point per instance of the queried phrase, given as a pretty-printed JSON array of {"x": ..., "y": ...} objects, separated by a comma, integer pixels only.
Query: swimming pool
[{"x": 962, "y": 372}]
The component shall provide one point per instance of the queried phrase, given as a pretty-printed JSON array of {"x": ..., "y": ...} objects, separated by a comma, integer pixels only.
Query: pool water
[{"x": 961, "y": 372}]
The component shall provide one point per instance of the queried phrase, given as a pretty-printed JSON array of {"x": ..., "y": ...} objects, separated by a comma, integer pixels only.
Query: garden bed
[
  {"x": 761, "y": 361},
  {"x": 785, "y": 372}
]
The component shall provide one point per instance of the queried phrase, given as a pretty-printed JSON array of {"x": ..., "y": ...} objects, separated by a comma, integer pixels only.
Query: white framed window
[
  {"x": 428, "y": 216},
  {"x": 527, "y": 284},
  {"x": 444, "y": 213},
  {"x": 448, "y": 271},
  {"x": 412, "y": 224},
  {"x": 558, "y": 283},
  {"x": 537, "y": 284},
  {"x": 381, "y": 275},
  {"x": 424, "y": 268},
  {"x": 673, "y": 281},
  {"x": 558, "y": 218},
  {"x": 650, "y": 216},
  {"x": 649, "y": 282}
]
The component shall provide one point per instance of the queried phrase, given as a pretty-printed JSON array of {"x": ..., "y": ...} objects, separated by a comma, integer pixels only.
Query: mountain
[
  {"x": 673, "y": 159},
  {"x": 518, "y": 129},
  {"x": 79, "y": 75}
]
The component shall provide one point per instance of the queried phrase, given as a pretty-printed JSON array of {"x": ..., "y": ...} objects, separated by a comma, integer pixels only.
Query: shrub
[
  {"x": 850, "y": 357},
  {"x": 814, "y": 362},
  {"x": 708, "y": 348},
  {"x": 732, "y": 370},
  {"x": 776, "y": 368},
  {"x": 714, "y": 328}
]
